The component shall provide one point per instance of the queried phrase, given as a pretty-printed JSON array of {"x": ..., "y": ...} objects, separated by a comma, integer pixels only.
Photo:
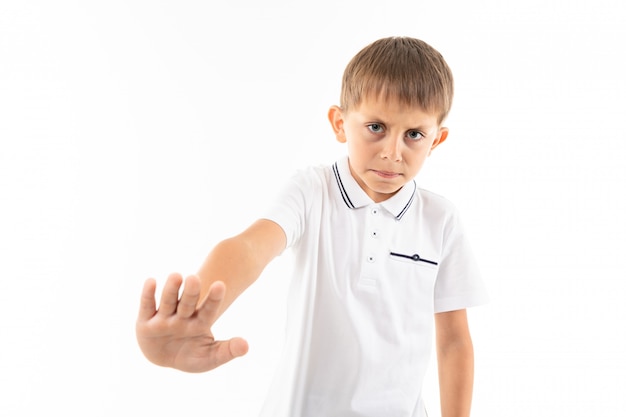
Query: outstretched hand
[{"x": 178, "y": 334}]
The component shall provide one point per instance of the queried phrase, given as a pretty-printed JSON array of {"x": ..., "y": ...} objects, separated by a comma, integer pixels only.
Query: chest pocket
[
  {"x": 413, "y": 257},
  {"x": 413, "y": 277}
]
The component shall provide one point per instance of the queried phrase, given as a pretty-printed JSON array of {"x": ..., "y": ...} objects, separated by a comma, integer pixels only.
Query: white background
[{"x": 136, "y": 134}]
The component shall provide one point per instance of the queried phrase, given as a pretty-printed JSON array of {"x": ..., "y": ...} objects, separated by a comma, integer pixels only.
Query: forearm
[
  {"x": 456, "y": 377},
  {"x": 229, "y": 262},
  {"x": 238, "y": 261}
]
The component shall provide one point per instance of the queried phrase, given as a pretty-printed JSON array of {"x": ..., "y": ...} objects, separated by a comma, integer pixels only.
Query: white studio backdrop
[{"x": 135, "y": 135}]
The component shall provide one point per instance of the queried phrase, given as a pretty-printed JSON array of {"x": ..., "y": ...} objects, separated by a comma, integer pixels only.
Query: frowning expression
[{"x": 387, "y": 141}]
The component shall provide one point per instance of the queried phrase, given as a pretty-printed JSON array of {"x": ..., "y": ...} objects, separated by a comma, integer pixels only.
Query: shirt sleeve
[
  {"x": 459, "y": 282},
  {"x": 289, "y": 207}
]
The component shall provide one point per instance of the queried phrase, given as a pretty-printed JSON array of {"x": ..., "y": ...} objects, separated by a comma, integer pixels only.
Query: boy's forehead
[{"x": 379, "y": 105}]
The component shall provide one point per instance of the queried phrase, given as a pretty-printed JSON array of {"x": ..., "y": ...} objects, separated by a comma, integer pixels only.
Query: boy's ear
[
  {"x": 441, "y": 137},
  {"x": 335, "y": 116}
]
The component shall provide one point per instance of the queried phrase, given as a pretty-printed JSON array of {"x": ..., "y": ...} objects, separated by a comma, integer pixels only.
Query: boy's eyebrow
[{"x": 421, "y": 125}]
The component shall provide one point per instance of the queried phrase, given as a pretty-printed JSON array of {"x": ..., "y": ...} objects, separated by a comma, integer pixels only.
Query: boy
[{"x": 376, "y": 258}]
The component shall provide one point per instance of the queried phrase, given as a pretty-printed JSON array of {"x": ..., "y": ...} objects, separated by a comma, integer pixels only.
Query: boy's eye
[
  {"x": 414, "y": 135},
  {"x": 375, "y": 127}
]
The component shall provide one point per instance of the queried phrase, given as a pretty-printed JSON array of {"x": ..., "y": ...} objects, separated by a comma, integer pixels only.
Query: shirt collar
[{"x": 354, "y": 196}]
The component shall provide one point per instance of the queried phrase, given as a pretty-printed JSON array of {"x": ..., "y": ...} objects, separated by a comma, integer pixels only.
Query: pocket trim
[{"x": 415, "y": 257}]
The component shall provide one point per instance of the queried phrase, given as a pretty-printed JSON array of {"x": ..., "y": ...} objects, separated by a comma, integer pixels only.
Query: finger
[
  {"x": 228, "y": 350},
  {"x": 189, "y": 299},
  {"x": 238, "y": 347},
  {"x": 209, "y": 309},
  {"x": 147, "y": 305},
  {"x": 169, "y": 297}
]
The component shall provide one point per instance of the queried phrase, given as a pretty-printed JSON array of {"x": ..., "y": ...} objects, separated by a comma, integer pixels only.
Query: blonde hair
[{"x": 399, "y": 68}]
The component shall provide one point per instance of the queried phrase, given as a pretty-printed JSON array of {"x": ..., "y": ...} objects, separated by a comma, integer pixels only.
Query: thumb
[
  {"x": 238, "y": 347},
  {"x": 227, "y": 350}
]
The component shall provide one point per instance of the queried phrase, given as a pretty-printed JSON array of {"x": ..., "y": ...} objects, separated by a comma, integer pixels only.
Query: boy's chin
[{"x": 380, "y": 194}]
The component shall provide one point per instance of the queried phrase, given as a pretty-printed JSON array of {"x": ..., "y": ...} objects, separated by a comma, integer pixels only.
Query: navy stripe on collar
[
  {"x": 406, "y": 208},
  {"x": 342, "y": 190}
]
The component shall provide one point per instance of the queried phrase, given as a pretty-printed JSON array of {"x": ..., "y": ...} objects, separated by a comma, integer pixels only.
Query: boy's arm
[
  {"x": 178, "y": 333},
  {"x": 455, "y": 356},
  {"x": 238, "y": 261}
]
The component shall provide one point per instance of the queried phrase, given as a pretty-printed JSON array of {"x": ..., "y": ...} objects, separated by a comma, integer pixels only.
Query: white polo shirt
[{"x": 368, "y": 279}]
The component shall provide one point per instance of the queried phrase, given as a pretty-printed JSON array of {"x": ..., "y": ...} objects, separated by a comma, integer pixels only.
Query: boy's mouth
[{"x": 386, "y": 174}]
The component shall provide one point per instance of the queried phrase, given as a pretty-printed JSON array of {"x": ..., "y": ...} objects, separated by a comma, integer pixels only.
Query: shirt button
[
  {"x": 375, "y": 211},
  {"x": 371, "y": 259},
  {"x": 374, "y": 234}
]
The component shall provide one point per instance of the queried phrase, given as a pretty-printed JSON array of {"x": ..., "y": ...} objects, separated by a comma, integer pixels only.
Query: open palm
[{"x": 178, "y": 333}]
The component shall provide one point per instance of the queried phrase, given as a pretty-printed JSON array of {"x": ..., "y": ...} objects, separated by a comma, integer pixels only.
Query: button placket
[{"x": 371, "y": 244}]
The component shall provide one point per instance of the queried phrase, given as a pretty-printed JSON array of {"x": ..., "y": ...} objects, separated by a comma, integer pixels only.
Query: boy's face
[{"x": 387, "y": 143}]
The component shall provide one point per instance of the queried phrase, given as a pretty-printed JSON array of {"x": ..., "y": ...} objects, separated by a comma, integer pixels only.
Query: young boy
[{"x": 376, "y": 259}]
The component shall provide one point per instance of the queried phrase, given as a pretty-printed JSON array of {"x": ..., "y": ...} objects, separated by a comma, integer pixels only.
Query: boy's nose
[{"x": 392, "y": 149}]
